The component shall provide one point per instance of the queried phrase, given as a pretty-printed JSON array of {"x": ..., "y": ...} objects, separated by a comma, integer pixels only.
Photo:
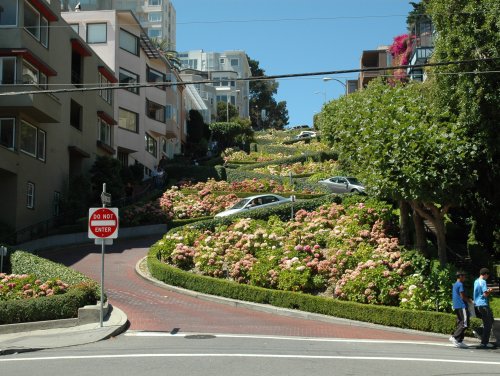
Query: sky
[{"x": 303, "y": 36}]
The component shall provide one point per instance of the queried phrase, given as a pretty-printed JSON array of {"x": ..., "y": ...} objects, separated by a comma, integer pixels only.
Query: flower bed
[
  {"x": 24, "y": 286},
  {"x": 338, "y": 251},
  {"x": 328, "y": 167},
  {"x": 232, "y": 156}
]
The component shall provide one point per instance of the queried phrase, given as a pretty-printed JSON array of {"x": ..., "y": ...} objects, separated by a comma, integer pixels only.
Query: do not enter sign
[{"x": 103, "y": 223}]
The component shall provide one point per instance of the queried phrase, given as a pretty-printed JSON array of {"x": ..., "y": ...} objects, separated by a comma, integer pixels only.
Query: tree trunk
[
  {"x": 420, "y": 234},
  {"x": 404, "y": 223},
  {"x": 436, "y": 215}
]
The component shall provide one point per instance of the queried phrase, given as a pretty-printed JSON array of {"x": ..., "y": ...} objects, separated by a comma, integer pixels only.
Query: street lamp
[{"x": 325, "y": 79}]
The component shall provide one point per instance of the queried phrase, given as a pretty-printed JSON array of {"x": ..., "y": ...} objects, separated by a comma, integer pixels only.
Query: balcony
[
  {"x": 159, "y": 129},
  {"x": 43, "y": 107}
]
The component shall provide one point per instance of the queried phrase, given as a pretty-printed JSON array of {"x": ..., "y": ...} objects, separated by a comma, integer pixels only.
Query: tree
[
  {"x": 404, "y": 147},
  {"x": 223, "y": 109},
  {"x": 262, "y": 98},
  {"x": 231, "y": 134},
  {"x": 107, "y": 170},
  {"x": 470, "y": 29},
  {"x": 163, "y": 46},
  {"x": 198, "y": 134}
]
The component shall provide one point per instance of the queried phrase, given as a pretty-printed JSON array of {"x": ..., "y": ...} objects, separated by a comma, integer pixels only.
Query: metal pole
[{"x": 101, "y": 313}]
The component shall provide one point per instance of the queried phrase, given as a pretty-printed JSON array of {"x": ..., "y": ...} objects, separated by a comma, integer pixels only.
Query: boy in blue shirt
[
  {"x": 460, "y": 301},
  {"x": 481, "y": 301}
]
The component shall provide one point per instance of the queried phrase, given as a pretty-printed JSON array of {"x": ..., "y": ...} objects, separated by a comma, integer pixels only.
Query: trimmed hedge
[
  {"x": 199, "y": 173},
  {"x": 437, "y": 322},
  {"x": 316, "y": 157},
  {"x": 46, "y": 308},
  {"x": 83, "y": 291},
  {"x": 247, "y": 194}
]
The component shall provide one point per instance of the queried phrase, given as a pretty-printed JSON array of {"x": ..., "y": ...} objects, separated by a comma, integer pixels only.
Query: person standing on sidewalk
[
  {"x": 460, "y": 305},
  {"x": 481, "y": 301}
]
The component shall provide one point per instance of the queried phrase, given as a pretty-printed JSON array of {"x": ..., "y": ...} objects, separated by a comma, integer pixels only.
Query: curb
[{"x": 141, "y": 270}]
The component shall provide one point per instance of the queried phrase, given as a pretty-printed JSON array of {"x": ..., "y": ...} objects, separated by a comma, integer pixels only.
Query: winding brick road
[{"x": 152, "y": 308}]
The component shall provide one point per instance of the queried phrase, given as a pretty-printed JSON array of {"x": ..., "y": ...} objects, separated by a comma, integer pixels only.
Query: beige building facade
[{"x": 46, "y": 138}]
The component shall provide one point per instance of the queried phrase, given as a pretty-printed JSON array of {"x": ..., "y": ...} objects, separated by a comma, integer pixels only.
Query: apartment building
[
  {"x": 150, "y": 123},
  {"x": 422, "y": 35},
  {"x": 379, "y": 58},
  {"x": 46, "y": 138},
  {"x": 224, "y": 68},
  {"x": 157, "y": 17}
]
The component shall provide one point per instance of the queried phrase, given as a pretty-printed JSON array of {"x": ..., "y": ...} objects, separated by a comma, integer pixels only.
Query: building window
[
  {"x": 129, "y": 78},
  {"x": 97, "y": 33},
  {"x": 30, "y": 195},
  {"x": 30, "y": 74},
  {"x": 35, "y": 24},
  {"x": 163, "y": 145},
  {"x": 222, "y": 60},
  {"x": 155, "y": 76},
  {"x": 155, "y": 111},
  {"x": 129, "y": 42},
  {"x": 9, "y": 13},
  {"x": 76, "y": 68},
  {"x": 7, "y": 133},
  {"x": 128, "y": 120},
  {"x": 123, "y": 158},
  {"x": 7, "y": 70},
  {"x": 104, "y": 132},
  {"x": 75, "y": 116},
  {"x": 154, "y": 2},
  {"x": 40, "y": 150},
  {"x": 32, "y": 141},
  {"x": 168, "y": 111},
  {"x": 56, "y": 202},
  {"x": 154, "y": 17},
  {"x": 154, "y": 33},
  {"x": 75, "y": 27},
  {"x": 151, "y": 145},
  {"x": 235, "y": 62},
  {"x": 104, "y": 92}
]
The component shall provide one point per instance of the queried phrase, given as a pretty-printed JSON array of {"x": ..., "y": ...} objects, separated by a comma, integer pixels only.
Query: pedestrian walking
[
  {"x": 481, "y": 301},
  {"x": 460, "y": 305}
]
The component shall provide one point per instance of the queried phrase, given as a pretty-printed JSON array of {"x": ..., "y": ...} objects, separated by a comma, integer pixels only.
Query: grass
[{"x": 495, "y": 306}]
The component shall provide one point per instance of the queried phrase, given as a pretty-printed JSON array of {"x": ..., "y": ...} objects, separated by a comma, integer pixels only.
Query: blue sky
[{"x": 293, "y": 46}]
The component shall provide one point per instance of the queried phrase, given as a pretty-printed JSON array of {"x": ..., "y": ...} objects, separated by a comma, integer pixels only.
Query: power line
[{"x": 250, "y": 79}]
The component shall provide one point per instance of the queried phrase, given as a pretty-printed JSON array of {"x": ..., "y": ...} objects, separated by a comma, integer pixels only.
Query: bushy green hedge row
[
  {"x": 317, "y": 157},
  {"x": 391, "y": 316},
  {"x": 83, "y": 291},
  {"x": 46, "y": 308},
  {"x": 247, "y": 194},
  {"x": 199, "y": 173}
]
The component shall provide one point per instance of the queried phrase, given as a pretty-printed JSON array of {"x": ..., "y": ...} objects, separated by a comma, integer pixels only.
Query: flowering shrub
[
  {"x": 307, "y": 168},
  {"x": 232, "y": 156},
  {"x": 247, "y": 185},
  {"x": 24, "y": 286},
  {"x": 141, "y": 214},
  {"x": 342, "y": 251},
  {"x": 179, "y": 205}
]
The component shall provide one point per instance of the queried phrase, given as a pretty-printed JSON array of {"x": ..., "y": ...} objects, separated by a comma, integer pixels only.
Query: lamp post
[{"x": 325, "y": 79}]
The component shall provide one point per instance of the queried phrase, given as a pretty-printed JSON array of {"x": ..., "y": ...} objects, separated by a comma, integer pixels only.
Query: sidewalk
[{"x": 31, "y": 340}]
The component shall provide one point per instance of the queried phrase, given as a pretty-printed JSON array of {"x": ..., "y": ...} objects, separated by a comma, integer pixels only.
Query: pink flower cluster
[{"x": 23, "y": 286}]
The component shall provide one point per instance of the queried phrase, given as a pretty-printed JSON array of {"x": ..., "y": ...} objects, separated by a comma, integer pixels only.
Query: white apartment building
[
  {"x": 150, "y": 123},
  {"x": 157, "y": 17},
  {"x": 224, "y": 68}
]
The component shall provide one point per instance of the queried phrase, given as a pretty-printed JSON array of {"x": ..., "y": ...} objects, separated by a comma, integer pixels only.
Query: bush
[
  {"x": 316, "y": 157},
  {"x": 198, "y": 173},
  {"x": 47, "y": 308},
  {"x": 377, "y": 314}
]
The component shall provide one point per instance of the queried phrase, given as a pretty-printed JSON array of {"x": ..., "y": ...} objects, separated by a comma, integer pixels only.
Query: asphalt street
[{"x": 154, "y": 353}]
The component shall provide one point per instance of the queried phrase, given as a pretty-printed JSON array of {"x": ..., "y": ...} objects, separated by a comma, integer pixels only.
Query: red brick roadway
[{"x": 151, "y": 308}]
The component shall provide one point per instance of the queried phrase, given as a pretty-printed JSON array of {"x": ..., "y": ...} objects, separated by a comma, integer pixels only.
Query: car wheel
[{"x": 355, "y": 191}]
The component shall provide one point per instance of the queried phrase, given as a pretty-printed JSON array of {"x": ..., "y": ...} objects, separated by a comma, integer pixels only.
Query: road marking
[
  {"x": 97, "y": 223},
  {"x": 282, "y": 338},
  {"x": 273, "y": 356}
]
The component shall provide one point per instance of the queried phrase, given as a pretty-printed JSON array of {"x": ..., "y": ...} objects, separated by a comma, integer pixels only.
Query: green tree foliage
[
  {"x": 107, "y": 170},
  {"x": 198, "y": 134},
  {"x": 470, "y": 29},
  {"x": 231, "y": 134},
  {"x": 262, "y": 98},
  {"x": 222, "y": 112},
  {"x": 403, "y": 147}
]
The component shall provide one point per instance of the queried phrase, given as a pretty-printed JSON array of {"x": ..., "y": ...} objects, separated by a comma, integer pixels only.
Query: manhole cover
[{"x": 200, "y": 336}]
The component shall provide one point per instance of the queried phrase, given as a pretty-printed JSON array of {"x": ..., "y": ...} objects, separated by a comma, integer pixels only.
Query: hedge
[
  {"x": 199, "y": 173},
  {"x": 83, "y": 291},
  {"x": 248, "y": 194},
  {"x": 46, "y": 308},
  {"x": 317, "y": 157},
  {"x": 437, "y": 322}
]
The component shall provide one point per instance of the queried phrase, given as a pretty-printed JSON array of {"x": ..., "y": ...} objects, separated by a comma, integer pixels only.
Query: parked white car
[
  {"x": 342, "y": 184},
  {"x": 254, "y": 202},
  {"x": 305, "y": 134}
]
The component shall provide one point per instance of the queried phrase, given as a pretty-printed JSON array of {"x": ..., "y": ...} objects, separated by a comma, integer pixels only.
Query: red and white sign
[{"x": 103, "y": 223}]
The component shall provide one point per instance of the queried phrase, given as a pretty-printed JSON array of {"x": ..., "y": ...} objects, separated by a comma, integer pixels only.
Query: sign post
[{"x": 103, "y": 227}]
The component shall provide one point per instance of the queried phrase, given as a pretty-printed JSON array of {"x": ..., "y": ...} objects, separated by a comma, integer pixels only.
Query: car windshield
[
  {"x": 240, "y": 204},
  {"x": 354, "y": 181}
]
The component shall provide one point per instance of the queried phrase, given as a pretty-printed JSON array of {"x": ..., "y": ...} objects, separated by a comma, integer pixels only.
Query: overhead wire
[{"x": 250, "y": 79}]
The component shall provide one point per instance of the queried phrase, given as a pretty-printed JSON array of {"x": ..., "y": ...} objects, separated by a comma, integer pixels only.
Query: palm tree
[{"x": 163, "y": 45}]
